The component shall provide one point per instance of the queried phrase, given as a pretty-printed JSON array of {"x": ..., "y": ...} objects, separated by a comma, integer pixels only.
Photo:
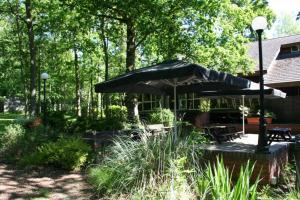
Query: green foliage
[
  {"x": 286, "y": 25},
  {"x": 254, "y": 113},
  {"x": 217, "y": 183},
  {"x": 204, "y": 105},
  {"x": 210, "y": 32},
  {"x": 138, "y": 164},
  {"x": 115, "y": 112},
  {"x": 66, "y": 153},
  {"x": 270, "y": 114},
  {"x": 159, "y": 116},
  {"x": 57, "y": 120},
  {"x": 80, "y": 125},
  {"x": 6, "y": 119},
  {"x": 162, "y": 168},
  {"x": 16, "y": 140},
  {"x": 286, "y": 189},
  {"x": 115, "y": 117},
  {"x": 11, "y": 140}
]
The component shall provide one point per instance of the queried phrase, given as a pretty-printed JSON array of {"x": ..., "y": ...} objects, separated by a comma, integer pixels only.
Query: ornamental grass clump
[
  {"x": 136, "y": 165},
  {"x": 163, "y": 167}
]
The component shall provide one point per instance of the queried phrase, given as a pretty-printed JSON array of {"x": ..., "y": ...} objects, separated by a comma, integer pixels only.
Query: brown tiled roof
[
  {"x": 284, "y": 71},
  {"x": 271, "y": 49}
]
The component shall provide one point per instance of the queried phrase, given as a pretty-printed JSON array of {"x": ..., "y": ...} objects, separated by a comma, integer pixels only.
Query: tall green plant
[
  {"x": 219, "y": 182},
  {"x": 137, "y": 164}
]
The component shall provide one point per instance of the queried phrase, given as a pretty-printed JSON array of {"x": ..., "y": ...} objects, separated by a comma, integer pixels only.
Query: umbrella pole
[{"x": 243, "y": 99}]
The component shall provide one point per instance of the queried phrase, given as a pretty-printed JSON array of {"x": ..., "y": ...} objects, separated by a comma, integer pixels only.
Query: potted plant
[
  {"x": 253, "y": 117},
  {"x": 269, "y": 116}
]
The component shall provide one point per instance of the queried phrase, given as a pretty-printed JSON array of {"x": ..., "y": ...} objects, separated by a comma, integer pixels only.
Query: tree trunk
[
  {"x": 131, "y": 99},
  {"x": 99, "y": 96},
  {"x": 130, "y": 47},
  {"x": 21, "y": 57},
  {"x": 39, "y": 109},
  {"x": 77, "y": 84},
  {"x": 32, "y": 52},
  {"x": 106, "y": 61},
  {"x": 92, "y": 97}
]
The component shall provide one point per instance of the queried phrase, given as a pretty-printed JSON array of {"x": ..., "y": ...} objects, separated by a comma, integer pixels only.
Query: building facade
[{"x": 281, "y": 64}]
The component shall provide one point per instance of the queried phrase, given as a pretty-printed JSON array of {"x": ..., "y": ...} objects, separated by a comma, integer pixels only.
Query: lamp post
[
  {"x": 44, "y": 77},
  {"x": 259, "y": 24}
]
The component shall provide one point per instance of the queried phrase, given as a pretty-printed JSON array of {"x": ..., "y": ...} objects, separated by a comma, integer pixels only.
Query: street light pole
[
  {"x": 44, "y": 77},
  {"x": 259, "y": 24}
]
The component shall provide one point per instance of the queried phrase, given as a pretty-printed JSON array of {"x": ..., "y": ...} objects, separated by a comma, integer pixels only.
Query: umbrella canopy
[
  {"x": 251, "y": 92},
  {"x": 173, "y": 77},
  {"x": 161, "y": 79}
]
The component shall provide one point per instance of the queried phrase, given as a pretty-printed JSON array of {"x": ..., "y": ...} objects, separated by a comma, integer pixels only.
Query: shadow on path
[{"x": 42, "y": 184}]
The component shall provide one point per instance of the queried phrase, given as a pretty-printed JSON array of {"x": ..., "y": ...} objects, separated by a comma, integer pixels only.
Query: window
[{"x": 149, "y": 102}]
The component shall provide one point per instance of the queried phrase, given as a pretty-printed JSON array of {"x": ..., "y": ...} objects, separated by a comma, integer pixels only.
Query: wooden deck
[
  {"x": 252, "y": 128},
  {"x": 247, "y": 144},
  {"x": 237, "y": 152}
]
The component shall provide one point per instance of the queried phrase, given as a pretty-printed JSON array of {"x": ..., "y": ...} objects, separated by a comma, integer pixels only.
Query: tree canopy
[
  {"x": 286, "y": 25},
  {"x": 81, "y": 42}
]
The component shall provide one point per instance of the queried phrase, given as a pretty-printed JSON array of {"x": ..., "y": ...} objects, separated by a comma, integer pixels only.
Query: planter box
[
  {"x": 268, "y": 120},
  {"x": 255, "y": 120}
]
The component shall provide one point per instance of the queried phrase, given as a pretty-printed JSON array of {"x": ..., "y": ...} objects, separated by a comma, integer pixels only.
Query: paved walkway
[{"x": 42, "y": 184}]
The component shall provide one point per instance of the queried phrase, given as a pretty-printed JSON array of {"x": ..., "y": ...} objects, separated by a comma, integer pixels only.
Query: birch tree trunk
[{"x": 77, "y": 84}]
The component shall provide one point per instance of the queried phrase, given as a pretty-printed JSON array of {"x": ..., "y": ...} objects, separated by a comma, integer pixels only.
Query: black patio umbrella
[
  {"x": 171, "y": 78},
  {"x": 166, "y": 77}
]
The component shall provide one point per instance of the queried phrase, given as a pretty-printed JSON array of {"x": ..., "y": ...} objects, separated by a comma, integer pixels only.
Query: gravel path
[{"x": 42, "y": 184}]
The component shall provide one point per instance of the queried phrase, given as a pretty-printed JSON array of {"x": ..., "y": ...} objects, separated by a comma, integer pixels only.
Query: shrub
[
  {"x": 116, "y": 112},
  {"x": 115, "y": 117},
  {"x": 66, "y": 153},
  {"x": 11, "y": 139},
  {"x": 164, "y": 116},
  {"x": 57, "y": 120},
  {"x": 36, "y": 137},
  {"x": 79, "y": 124}
]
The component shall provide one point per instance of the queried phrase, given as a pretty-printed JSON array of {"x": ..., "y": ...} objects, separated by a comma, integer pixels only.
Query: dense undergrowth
[
  {"x": 166, "y": 167},
  {"x": 152, "y": 167}
]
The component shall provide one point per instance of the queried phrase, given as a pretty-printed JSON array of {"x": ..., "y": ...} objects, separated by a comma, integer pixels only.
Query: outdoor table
[
  {"x": 279, "y": 134},
  {"x": 219, "y": 133}
]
